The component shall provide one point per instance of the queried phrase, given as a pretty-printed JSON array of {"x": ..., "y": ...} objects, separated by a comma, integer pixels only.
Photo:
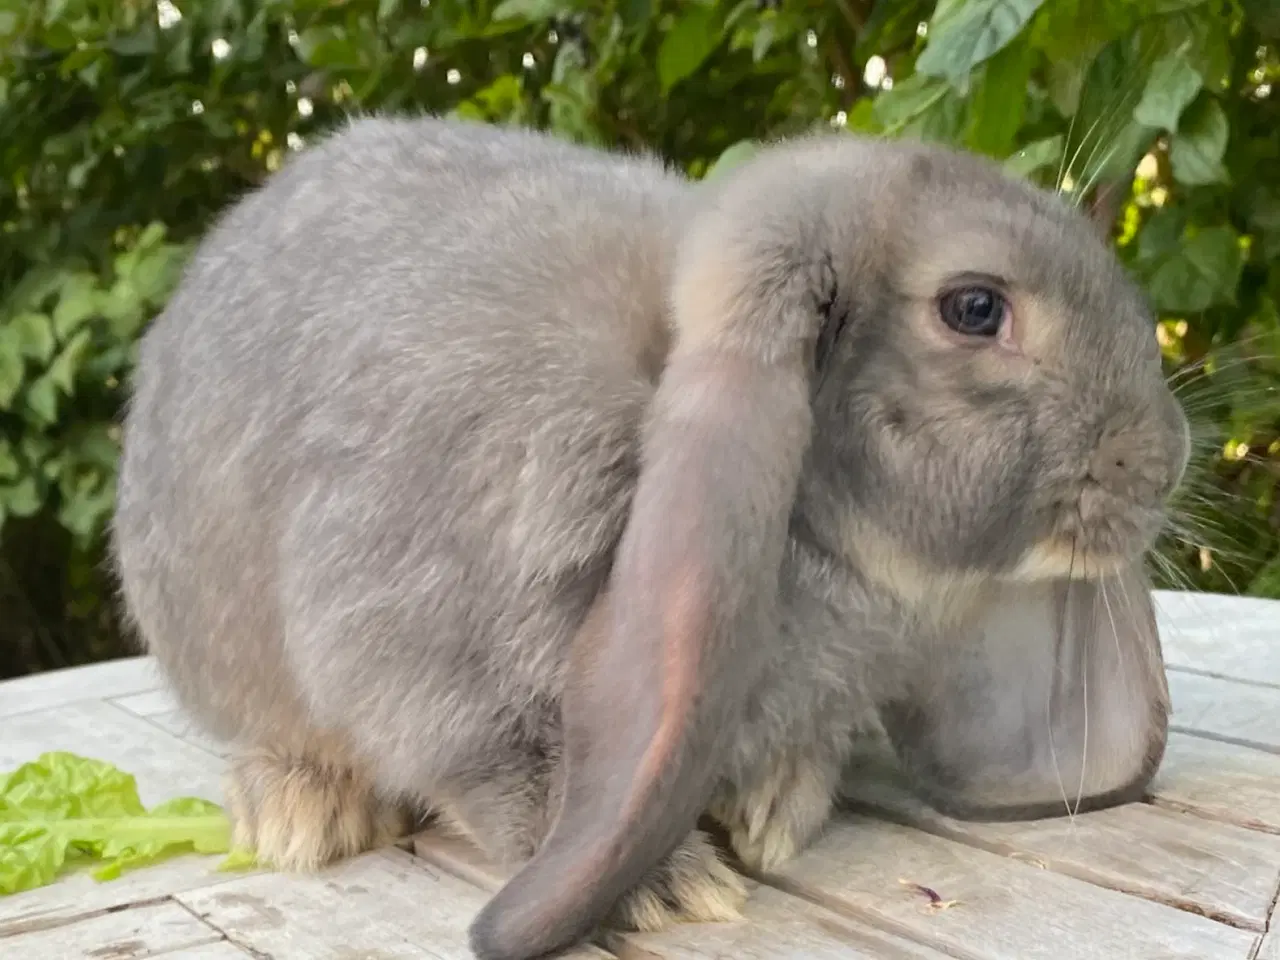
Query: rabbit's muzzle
[{"x": 1114, "y": 507}]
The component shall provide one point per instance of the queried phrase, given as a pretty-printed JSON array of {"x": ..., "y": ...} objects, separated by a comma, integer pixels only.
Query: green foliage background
[{"x": 125, "y": 126}]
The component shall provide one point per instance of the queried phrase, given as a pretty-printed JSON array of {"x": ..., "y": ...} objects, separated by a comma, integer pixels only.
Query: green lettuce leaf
[{"x": 62, "y": 809}]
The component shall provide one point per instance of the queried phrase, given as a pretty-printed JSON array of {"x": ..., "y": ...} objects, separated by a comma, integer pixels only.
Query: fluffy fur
[{"x": 475, "y": 470}]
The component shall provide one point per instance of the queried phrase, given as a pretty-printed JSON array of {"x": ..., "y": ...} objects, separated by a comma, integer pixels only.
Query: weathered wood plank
[
  {"x": 386, "y": 903},
  {"x": 164, "y": 766},
  {"x": 1270, "y": 946},
  {"x": 180, "y": 725},
  {"x": 1232, "y": 637},
  {"x": 1004, "y": 910},
  {"x": 774, "y": 923},
  {"x": 149, "y": 703},
  {"x": 161, "y": 708},
  {"x": 1235, "y": 712},
  {"x": 1220, "y": 781},
  {"x": 222, "y": 950},
  {"x": 145, "y": 931},
  {"x": 1217, "y": 869},
  {"x": 96, "y": 681}
]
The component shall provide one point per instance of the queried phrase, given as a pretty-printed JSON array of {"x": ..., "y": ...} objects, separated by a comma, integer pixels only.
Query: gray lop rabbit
[{"x": 473, "y": 470}]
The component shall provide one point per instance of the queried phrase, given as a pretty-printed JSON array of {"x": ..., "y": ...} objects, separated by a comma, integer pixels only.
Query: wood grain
[
  {"x": 160, "y": 708},
  {"x": 774, "y": 924},
  {"x": 1219, "y": 870},
  {"x": 386, "y": 904},
  {"x": 1190, "y": 875},
  {"x": 95, "y": 681},
  {"x": 1004, "y": 910},
  {"x": 1232, "y": 637},
  {"x": 1220, "y": 781},
  {"x": 222, "y": 950},
  {"x": 1227, "y": 710},
  {"x": 145, "y": 931}
]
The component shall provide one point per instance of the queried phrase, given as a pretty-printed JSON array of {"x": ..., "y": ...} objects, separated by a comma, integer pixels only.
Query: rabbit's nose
[
  {"x": 1122, "y": 466},
  {"x": 1111, "y": 464}
]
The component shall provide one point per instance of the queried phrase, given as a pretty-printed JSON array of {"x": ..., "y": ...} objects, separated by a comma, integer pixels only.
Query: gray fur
[{"x": 385, "y": 441}]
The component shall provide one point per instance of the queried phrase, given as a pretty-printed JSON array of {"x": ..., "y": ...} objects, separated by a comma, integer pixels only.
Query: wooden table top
[{"x": 1192, "y": 872}]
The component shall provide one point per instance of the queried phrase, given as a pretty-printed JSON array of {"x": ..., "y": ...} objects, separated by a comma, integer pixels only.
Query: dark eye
[{"x": 973, "y": 311}]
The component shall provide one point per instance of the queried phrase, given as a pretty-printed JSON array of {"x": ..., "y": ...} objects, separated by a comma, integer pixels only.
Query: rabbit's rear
[{"x": 381, "y": 446}]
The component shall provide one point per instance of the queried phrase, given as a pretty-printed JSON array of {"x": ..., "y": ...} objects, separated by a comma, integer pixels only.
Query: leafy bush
[{"x": 126, "y": 126}]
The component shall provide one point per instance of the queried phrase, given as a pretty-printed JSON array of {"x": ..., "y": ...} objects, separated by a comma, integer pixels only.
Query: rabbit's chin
[{"x": 1062, "y": 560}]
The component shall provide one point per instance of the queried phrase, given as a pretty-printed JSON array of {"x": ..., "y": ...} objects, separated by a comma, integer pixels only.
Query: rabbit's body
[
  {"x": 378, "y": 514},
  {"x": 390, "y": 389}
]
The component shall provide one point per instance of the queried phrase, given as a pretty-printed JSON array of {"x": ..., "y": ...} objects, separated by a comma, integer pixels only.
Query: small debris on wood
[
  {"x": 935, "y": 899},
  {"x": 1029, "y": 858}
]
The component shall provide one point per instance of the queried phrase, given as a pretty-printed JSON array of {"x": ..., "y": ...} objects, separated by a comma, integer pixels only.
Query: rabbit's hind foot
[
  {"x": 774, "y": 820},
  {"x": 693, "y": 885},
  {"x": 301, "y": 811}
]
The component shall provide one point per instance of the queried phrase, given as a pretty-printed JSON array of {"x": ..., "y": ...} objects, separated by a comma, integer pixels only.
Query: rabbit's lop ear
[
  {"x": 1054, "y": 701},
  {"x": 661, "y": 671}
]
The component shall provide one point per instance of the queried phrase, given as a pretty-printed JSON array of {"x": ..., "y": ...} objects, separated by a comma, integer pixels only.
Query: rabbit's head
[
  {"x": 945, "y": 375},
  {"x": 994, "y": 446},
  {"x": 995, "y": 405}
]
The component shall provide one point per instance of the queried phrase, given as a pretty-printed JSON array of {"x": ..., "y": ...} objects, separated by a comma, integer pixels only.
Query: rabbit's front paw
[
  {"x": 693, "y": 885},
  {"x": 770, "y": 823},
  {"x": 300, "y": 812}
]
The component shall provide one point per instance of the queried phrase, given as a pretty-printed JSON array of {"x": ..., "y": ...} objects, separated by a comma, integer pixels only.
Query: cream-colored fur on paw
[
  {"x": 770, "y": 824},
  {"x": 693, "y": 885},
  {"x": 299, "y": 813}
]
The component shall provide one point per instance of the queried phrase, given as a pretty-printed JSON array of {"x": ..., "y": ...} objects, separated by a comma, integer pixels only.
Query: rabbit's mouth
[{"x": 1097, "y": 535}]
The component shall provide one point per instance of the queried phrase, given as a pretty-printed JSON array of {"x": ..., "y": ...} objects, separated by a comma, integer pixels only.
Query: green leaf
[
  {"x": 329, "y": 46},
  {"x": 21, "y": 499},
  {"x": 997, "y": 106},
  {"x": 862, "y": 117},
  {"x": 687, "y": 44},
  {"x": 157, "y": 272},
  {"x": 528, "y": 9},
  {"x": 763, "y": 40},
  {"x": 733, "y": 156},
  {"x": 10, "y": 468},
  {"x": 42, "y": 401},
  {"x": 78, "y": 301},
  {"x": 964, "y": 35},
  {"x": 1264, "y": 217},
  {"x": 238, "y": 859},
  {"x": 1038, "y": 155},
  {"x": 12, "y": 369},
  {"x": 1200, "y": 145},
  {"x": 87, "y": 502},
  {"x": 33, "y": 333},
  {"x": 907, "y": 101},
  {"x": 123, "y": 308},
  {"x": 61, "y": 808},
  {"x": 1170, "y": 89},
  {"x": 63, "y": 369},
  {"x": 1161, "y": 235},
  {"x": 1204, "y": 271},
  {"x": 1267, "y": 581}
]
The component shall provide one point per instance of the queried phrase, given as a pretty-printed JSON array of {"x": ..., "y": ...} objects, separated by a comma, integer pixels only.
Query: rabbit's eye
[{"x": 973, "y": 311}]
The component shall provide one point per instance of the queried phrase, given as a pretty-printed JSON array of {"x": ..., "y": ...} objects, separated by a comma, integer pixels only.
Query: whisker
[
  {"x": 1115, "y": 114},
  {"x": 1062, "y": 626}
]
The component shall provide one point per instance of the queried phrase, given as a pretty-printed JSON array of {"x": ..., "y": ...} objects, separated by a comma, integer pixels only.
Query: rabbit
[{"x": 535, "y": 485}]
